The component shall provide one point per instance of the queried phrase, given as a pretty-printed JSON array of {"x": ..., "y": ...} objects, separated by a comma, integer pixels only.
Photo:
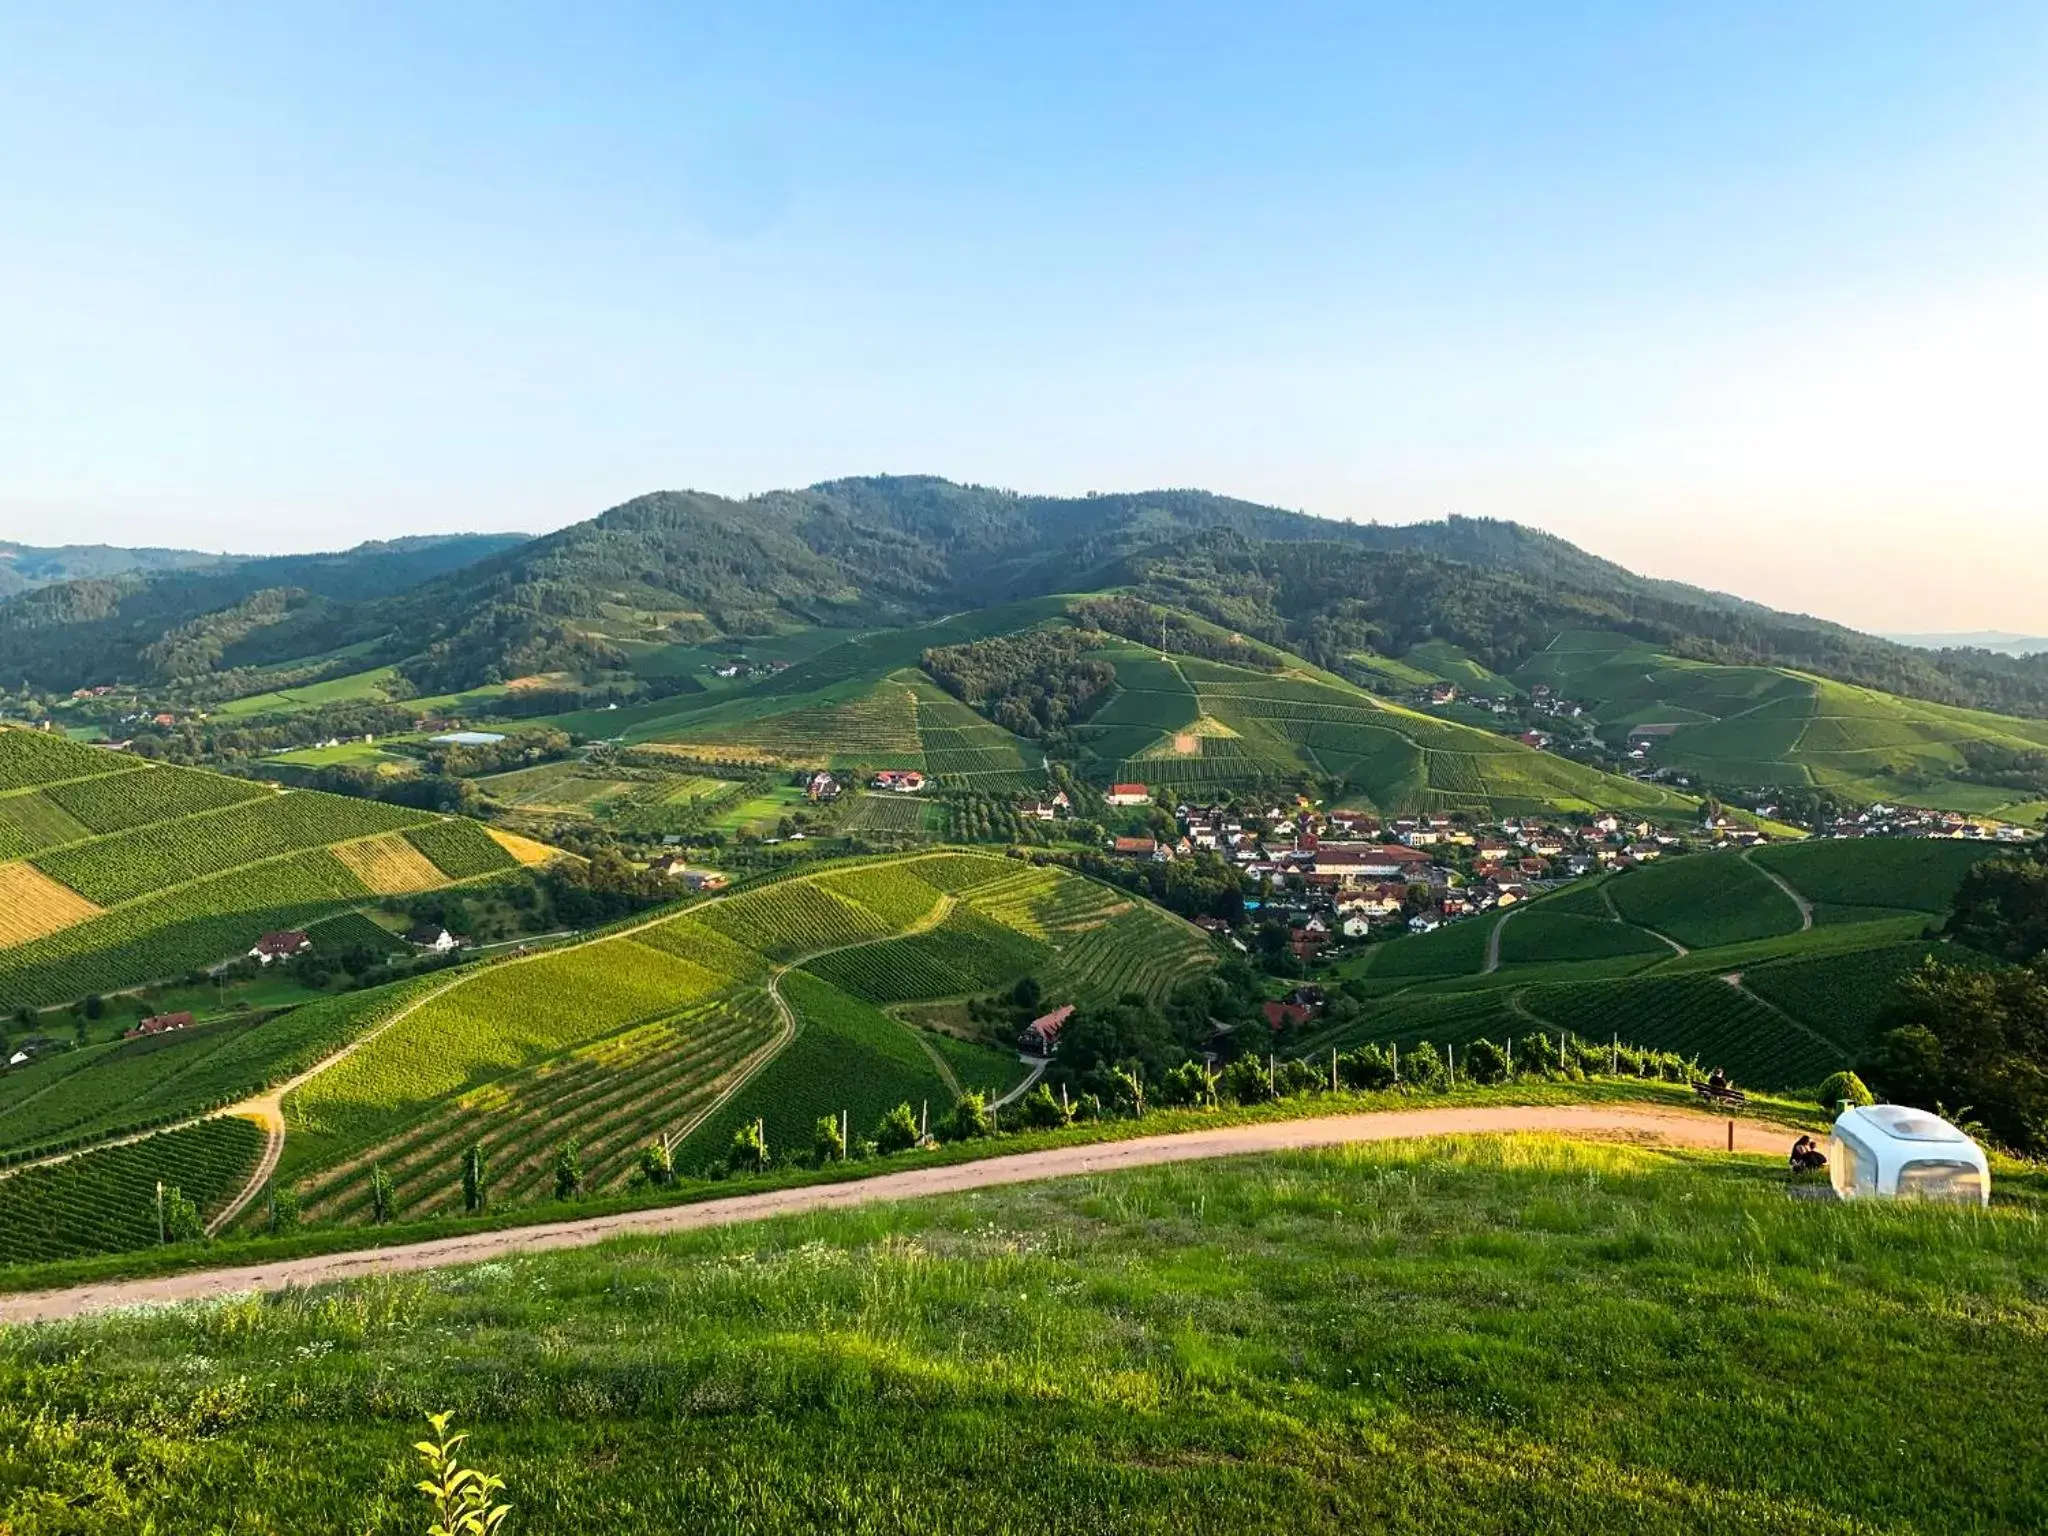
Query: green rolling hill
[
  {"x": 771, "y": 1004},
  {"x": 115, "y": 872},
  {"x": 1780, "y": 980},
  {"x": 1184, "y": 722},
  {"x": 1774, "y": 727}
]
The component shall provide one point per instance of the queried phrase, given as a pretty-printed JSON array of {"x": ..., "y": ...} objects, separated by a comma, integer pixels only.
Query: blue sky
[{"x": 1751, "y": 295}]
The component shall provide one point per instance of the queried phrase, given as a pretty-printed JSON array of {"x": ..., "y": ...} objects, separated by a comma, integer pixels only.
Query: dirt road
[{"x": 1667, "y": 1127}]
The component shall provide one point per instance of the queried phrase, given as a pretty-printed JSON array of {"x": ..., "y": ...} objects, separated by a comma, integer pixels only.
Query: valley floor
[{"x": 1474, "y": 1334}]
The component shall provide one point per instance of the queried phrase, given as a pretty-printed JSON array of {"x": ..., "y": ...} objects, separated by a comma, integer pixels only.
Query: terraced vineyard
[
  {"x": 1739, "y": 725},
  {"x": 1808, "y": 1000},
  {"x": 1704, "y": 900},
  {"x": 847, "y": 1055},
  {"x": 105, "y": 1201},
  {"x": 612, "y": 1097},
  {"x": 1700, "y": 1016},
  {"x": 619, "y": 1040},
  {"x": 127, "y": 1085},
  {"x": 124, "y": 872},
  {"x": 1184, "y": 721}
]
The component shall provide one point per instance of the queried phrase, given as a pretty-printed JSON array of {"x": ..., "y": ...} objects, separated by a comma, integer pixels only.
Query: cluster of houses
[
  {"x": 1349, "y": 874},
  {"x": 1542, "y": 700},
  {"x": 739, "y": 666},
  {"x": 1907, "y": 821},
  {"x": 290, "y": 943},
  {"x": 901, "y": 781}
]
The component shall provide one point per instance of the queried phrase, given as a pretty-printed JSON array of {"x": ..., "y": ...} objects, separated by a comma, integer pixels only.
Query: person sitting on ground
[{"x": 1807, "y": 1156}]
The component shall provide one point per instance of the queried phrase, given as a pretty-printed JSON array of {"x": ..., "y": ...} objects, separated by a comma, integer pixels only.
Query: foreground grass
[
  {"x": 326, "y": 1238},
  {"x": 1465, "y": 1335}
]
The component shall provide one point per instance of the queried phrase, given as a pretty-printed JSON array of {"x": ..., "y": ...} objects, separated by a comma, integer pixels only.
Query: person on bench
[{"x": 1717, "y": 1081}]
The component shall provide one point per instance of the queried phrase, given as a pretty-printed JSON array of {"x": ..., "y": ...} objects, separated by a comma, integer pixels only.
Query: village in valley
[{"x": 1341, "y": 878}]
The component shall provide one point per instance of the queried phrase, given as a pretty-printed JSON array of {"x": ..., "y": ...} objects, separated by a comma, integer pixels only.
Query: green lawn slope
[{"x": 1455, "y": 1336}]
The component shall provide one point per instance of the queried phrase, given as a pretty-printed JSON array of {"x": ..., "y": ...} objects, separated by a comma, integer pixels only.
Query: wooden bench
[{"x": 1725, "y": 1098}]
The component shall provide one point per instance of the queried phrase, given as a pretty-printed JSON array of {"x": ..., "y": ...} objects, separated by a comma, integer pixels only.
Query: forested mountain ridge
[
  {"x": 157, "y": 625},
  {"x": 891, "y": 550},
  {"x": 24, "y": 567}
]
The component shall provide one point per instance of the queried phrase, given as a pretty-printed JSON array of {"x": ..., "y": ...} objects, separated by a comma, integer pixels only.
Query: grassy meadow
[{"x": 1472, "y": 1335}]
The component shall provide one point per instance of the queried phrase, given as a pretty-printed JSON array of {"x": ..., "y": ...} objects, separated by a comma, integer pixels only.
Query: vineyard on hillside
[
  {"x": 616, "y": 1041},
  {"x": 1704, "y": 900},
  {"x": 847, "y": 1055},
  {"x": 124, "y": 872},
  {"x": 612, "y": 1097},
  {"x": 105, "y": 1201},
  {"x": 1700, "y": 1016}
]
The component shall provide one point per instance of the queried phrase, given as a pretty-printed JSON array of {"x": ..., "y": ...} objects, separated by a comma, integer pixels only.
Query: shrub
[
  {"x": 284, "y": 1210},
  {"x": 1844, "y": 1085},
  {"x": 568, "y": 1171},
  {"x": 1368, "y": 1067},
  {"x": 1422, "y": 1067},
  {"x": 382, "y": 1196},
  {"x": 658, "y": 1164},
  {"x": 1244, "y": 1081},
  {"x": 749, "y": 1150},
  {"x": 970, "y": 1120},
  {"x": 898, "y": 1130},
  {"x": 1188, "y": 1086},
  {"x": 181, "y": 1223},
  {"x": 1040, "y": 1111},
  {"x": 473, "y": 1178},
  {"x": 828, "y": 1142},
  {"x": 1127, "y": 1091},
  {"x": 1536, "y": 1053},
  {"x": 1486, "y": 1063},
  {"x": 1087, "y": 1107},
  {"x": 461, "y": 1495},
  {"x": 1292, "y": 1079}
]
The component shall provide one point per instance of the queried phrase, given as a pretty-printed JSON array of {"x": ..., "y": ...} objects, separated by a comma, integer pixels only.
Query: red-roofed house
[
  {"x": 1279, "y": 1015},
  {"x": 1043, "y": 1032},
  {"x": 280, "y": 946},
  {"x": 160, "y": 1023},
  {"x": 904, "y": 781},
  {"x": 1128, "y": 794}
]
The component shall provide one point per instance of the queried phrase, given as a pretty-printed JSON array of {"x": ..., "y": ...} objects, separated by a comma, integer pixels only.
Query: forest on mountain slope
[{"x": 689, "y": 566}]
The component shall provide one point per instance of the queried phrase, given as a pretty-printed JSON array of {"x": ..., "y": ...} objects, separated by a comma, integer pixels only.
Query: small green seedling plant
[{"x": 461, "y": 1495}]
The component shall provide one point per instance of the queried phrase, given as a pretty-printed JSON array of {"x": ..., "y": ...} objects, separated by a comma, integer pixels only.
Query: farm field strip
[
  {"x": 107, "y": 1202},
  {"x": 32, "y": 759},
  {"x": 389, "y": 865},
  {"x": 150, "y": 859},
  {"x": 33, "y": 906},
  {"x": 613, "y": 1097}
]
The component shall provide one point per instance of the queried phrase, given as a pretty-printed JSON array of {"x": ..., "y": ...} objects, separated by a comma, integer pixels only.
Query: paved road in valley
[{"x": 1650, "y": 1125}]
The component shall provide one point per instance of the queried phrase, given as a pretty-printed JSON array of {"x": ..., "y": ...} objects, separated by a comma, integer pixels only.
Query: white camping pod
[{"x": 1888, "y": 1149}]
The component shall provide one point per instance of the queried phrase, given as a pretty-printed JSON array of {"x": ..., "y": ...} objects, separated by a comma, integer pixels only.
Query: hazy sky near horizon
[{"x": 1749, "y": 294}]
